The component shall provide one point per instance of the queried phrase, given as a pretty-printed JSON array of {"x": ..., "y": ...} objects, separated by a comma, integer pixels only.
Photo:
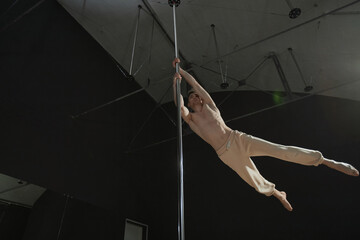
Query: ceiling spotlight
[{"x": 294, "y": 12}]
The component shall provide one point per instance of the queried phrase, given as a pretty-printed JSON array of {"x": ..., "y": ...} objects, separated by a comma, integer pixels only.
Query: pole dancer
[
  {"x": 236, "y": 148},
  {"x": 181, "y": 221}
]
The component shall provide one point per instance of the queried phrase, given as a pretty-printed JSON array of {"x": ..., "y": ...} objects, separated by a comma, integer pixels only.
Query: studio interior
[{"x": 94, "y": 146}]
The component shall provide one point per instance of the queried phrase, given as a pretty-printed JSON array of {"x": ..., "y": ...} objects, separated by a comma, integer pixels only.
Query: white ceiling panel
[
  {"x": 17, "y": 191},
  {"x": 326, "y": 48}
]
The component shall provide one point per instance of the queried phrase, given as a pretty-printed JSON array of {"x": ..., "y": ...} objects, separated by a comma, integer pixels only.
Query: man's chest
[{"x": 206, "y": 116}]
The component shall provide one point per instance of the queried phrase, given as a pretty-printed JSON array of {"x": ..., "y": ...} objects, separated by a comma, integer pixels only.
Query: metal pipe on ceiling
[
  {"x": 224, "y": 84},
  {"x": 135, "y": 38},
  {"x": 281, "y": 74},
  {"x": 307, "y": 87},
  {"x": 108, "y": 103}
]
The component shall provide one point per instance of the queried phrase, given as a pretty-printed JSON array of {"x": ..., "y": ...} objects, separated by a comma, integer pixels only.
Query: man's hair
[{"x": 190, "y": 91}]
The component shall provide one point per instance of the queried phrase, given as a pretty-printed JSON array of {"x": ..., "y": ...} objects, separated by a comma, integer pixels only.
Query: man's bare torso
[{"x": 210, "y": 126}]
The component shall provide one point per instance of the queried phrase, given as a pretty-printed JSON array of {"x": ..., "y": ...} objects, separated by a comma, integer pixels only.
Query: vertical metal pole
[
  {"x": 217, "y": 53},
  {"x": 181, "y": 227},
  {"x": 134, "y": 44},
  {"x": 175, "y": 38}
]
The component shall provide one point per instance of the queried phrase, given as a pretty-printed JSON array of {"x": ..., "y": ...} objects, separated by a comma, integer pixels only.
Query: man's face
[{"x": 194, "y": 99}]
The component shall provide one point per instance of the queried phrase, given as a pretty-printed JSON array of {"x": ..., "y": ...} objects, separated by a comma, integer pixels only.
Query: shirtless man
[{"x": 235, "y": 148}]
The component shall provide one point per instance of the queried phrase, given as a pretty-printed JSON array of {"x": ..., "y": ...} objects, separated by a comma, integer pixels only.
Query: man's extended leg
[
  {"x": 259, "y": 147},
  {"x": 255, "y": 146}
]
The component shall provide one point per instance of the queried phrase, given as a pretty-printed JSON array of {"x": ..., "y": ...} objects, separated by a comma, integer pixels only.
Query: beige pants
[{"x": 239, "y": 147}]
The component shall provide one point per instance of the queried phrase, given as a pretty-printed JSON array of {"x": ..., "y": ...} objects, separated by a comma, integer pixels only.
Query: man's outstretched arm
[
  {"x": 185, "y": 114},
  {"x": 195, "y": 85}
]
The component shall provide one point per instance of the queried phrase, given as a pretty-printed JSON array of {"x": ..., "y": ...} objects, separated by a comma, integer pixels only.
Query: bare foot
[
  {"x": 341, "y": 167},
  {"x": 282, "y": 198}
]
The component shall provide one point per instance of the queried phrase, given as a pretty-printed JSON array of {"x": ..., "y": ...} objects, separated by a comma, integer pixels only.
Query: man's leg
[
  {"x": 235, "y": 157},
  {"x": 255, "y": 146},
  {"x": 259, "y": 147}
]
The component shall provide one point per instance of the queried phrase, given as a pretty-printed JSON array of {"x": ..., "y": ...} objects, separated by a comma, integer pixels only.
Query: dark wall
[
  {"x": 55, "y": 216},
  {"x": 13, "y": 220},
  {"x": 51, "y": 69}
]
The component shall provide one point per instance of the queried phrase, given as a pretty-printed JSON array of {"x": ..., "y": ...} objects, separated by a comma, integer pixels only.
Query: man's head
[{"x": 194, "y": 99}]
